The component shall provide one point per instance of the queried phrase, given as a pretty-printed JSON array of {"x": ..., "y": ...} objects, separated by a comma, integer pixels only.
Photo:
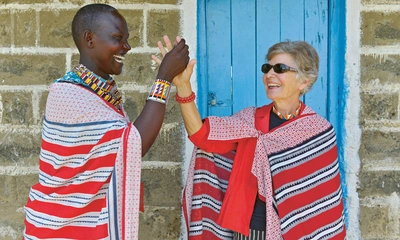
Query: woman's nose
[
  {"x": 270, "y": 73},
  {"x": 127, "y": 46}
]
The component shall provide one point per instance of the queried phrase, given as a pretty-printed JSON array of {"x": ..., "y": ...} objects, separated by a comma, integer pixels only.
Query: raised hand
[
  {"x": 190, "y": 114},
  {"x": 183, "y": 77},
  {"x": 175, "y": 58}
]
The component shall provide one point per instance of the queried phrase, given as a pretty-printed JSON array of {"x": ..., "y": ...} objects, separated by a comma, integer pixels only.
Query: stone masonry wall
[
  {"x": 379, "y": 177},
  {"x": 36, "y": 47}
]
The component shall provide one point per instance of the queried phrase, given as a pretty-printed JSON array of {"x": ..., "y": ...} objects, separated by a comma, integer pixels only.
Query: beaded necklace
[
  {"x": 106, "y": 89},
  {"x": 287, "y": 116}
]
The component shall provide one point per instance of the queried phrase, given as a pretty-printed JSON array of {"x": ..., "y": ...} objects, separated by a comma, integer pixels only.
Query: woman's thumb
[{"x": 190, "y": 65}]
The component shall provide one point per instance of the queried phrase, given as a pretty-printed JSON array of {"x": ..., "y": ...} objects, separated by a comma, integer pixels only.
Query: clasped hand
[{"x": 174, "y": 56}]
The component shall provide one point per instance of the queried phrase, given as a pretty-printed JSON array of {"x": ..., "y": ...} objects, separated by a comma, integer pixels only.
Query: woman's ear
[
  {"x": 304, "y": 84},
  {"x": 88, "y": 39}
]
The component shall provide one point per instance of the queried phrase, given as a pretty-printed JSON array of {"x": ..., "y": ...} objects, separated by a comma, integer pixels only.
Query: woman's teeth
[
  {"x": 119, "y": 58},
  {"x": 273, "y": 85}
]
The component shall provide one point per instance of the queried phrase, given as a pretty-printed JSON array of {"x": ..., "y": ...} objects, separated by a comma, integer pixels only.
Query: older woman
[{"x": 284, "y": 181}]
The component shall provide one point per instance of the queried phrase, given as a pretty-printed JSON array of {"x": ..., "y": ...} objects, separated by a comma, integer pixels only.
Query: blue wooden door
[{"x": 234, "y": 37}]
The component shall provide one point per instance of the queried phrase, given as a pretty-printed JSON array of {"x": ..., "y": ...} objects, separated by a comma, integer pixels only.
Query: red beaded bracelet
[{"x": 189, "y": 99}]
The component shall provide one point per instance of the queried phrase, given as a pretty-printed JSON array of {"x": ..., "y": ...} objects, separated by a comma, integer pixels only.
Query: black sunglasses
[{"x": 278, "y": 68}]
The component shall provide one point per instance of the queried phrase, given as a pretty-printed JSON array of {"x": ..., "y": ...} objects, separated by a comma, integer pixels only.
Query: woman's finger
[
  {"x": 156, "y": 59},
  {"x": 177, "y": 40},
  {"x": 167, "y": 43},
  {"x": 162, "y": 49}
]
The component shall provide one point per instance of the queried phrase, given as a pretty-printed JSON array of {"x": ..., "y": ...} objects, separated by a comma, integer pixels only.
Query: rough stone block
[
  {"x": 173, "y": 114},
  {"x": 17, "y": 108},
  {"x": 134, "y": 19},
  {"x": 20, "y": 148},
  {"x": 159, "y": 224},
  {"x": 137, "y": 69},
  {"x": 379, "y": 106},
  {"x": 42, "y": 105},
  {"x": 5, "y": 28},
  {"x": 379, "y": 145},
  {"x": 167, "y": 146},
  {"x": 133, "y": 103},
  {"x": 144, "y": 1},
  {"x": 162, "y": 187},
  {"x": 74, "y": 60},
  {"x": 374, "y": 222},
  {"x": 169, "y": 142},
  {"x": 384, "y": 68},
  {"x": 14, "y": 195},
  {"x": 380, "y": 2},
  {"x": 31, "y": 69},
  {"x": 11, "y": 221},
  {"x": 380, "y": 28},
  {"x": 55, "y": 28},
  {"x": 77, "y": 2},
  {"x": 23, "y": 1},
  {"x": 15, "y": 189},
  {"x": 157, "y": 27},
  {"x": 25, "y": 28},
  {"x": 378, "y": 183}
]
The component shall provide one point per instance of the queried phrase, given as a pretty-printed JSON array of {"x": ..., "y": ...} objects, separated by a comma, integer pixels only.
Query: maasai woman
[{"x": 90, "y": 159}]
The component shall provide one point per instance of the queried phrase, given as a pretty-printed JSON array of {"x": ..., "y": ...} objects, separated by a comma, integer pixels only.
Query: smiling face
[
  {"x": 107, "y": 45},
  {"x": 283, "y": 88}
]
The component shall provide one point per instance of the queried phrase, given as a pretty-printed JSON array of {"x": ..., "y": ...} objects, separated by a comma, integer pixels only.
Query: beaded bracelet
[
  {"x": 189, "y": 99},
  {"x": 160, "y": 91}
]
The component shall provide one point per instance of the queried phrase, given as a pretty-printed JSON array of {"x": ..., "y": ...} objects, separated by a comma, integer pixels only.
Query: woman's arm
[
  {"x": 197, "y": 130},
  {"x": 190, "y": 113},
  {"x": 150, "y": 119}
]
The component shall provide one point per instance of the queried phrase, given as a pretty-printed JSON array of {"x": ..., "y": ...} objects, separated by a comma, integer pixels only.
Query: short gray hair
[{"x": 305, "y": 57}]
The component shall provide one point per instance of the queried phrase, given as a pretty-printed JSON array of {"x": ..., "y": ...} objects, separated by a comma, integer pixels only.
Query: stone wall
[
  {"x": 379, "y": 119},
  {"x": 36, "y": 47}
]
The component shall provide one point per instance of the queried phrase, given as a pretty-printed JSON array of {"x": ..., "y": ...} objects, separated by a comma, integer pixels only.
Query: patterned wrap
[
  {"x": 204, "y": 193},
  {"x": 89, "y": 176},
  {"x": 297, "y": 175}
]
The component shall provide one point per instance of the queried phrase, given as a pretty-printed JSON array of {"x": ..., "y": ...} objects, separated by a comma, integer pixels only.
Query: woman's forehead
[
  {"x": 282, "y": 58},
  {"x": 112, "y": 21}
]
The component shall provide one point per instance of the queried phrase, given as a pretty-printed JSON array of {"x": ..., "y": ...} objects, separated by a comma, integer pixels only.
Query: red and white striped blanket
[
  {"x": 204, "y": 193},
  {"x": 297, "y": 173},
  {"x": 89, "y": 177}
]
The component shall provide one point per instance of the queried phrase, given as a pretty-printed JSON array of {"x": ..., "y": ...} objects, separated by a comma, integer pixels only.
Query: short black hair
[{"x": 87, "y": 19}]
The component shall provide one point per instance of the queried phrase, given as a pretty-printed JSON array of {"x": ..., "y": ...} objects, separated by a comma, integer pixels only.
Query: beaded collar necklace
[
  {"x": 106, "y": 89},
  {"x": 287, "y": 116}
]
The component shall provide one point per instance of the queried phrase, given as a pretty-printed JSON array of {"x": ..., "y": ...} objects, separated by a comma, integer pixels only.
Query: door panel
[
  {"x": 292, "y": 19},
  {"x": 218, "y": 38},
  {"x": 237, "y": 36},
  {"x": 316, "y": 20},
  {"x": 268, "y": 28},
  {"x": 243, "y": 54}
]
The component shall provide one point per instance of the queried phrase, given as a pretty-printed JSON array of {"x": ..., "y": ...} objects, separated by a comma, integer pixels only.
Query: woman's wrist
[
  {"x": 188, "y": 99},
  {"x": 184, "y": 90},
  {"x": 160, "y": 91},
  {"x": 184, "y": 94}
]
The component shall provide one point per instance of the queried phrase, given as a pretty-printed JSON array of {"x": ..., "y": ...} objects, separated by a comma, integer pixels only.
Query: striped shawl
[
  {"x": 297, "y": 174},
  {"x": 89, "y": 176}
]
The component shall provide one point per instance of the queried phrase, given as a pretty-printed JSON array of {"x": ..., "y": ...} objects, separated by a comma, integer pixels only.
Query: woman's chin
[
  {"x": 118, "y": 72},
  {"x": 271, "y": 96}
]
